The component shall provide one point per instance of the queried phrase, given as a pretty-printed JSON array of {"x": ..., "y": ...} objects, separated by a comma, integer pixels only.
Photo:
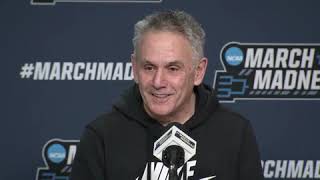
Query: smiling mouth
[
  {"x": 160, "y": 95},
  {"x": 161, "y": 98}
]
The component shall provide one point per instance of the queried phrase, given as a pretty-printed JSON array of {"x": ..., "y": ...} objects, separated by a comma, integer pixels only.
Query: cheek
[
  {"x": 186, "y": 85},
  {"x": 182, "y": 86},
  {"x": 187, "y": 79},
  {"x": 143, "y": 79}
]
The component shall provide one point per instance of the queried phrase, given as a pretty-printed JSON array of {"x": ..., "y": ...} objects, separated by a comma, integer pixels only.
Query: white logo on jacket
[{"x": 160, "y": 172}]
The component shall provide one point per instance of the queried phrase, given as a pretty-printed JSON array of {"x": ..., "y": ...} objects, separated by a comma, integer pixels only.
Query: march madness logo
[
  {"x": 268, "y": 71},
  {"x": 53, "y": 2},
  {"x": 58, "y": 156}
]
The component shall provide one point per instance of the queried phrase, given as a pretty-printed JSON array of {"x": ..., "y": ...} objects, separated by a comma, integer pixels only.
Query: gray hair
[{"x": 172, "y": 21}]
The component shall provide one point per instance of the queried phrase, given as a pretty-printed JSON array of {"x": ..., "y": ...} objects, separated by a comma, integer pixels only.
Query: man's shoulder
[
  {"x": 228, "y": 116},
  {"x": 106, "y": 121},
  {"x": 226, "y": 111}
]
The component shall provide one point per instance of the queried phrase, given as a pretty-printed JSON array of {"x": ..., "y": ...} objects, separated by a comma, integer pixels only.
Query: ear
[
  {"x": 200, "y": 71},
  {"x": 134, "y": 67}
]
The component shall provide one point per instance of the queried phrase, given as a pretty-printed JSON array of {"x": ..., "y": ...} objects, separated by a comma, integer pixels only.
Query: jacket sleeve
[
  {"x": 89, "y": 159},
  {"x": 249, "y": 159}
]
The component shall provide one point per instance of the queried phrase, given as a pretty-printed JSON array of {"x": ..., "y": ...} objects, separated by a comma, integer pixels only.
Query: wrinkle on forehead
[{"x": 165, "y": 46}]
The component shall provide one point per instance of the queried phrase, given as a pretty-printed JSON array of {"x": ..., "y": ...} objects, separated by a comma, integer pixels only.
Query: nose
[{"x": 159, "y": 79}]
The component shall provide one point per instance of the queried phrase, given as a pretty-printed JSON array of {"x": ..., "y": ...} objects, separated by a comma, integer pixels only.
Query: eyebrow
[
  {"x": 146, "y": 61},
  {"x": 176, "y": 63},
  {"x": 171, "y": 63}
]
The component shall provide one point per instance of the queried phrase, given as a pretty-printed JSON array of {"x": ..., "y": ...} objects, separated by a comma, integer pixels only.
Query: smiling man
[
  {"x": 169, "y": 67},
  {"x": 166, "y": 72}
]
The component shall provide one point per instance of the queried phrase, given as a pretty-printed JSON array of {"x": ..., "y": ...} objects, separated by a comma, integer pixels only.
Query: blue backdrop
[{"x": 74, "y": 34}]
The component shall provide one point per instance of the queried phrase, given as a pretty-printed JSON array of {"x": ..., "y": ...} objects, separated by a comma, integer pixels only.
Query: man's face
[{"x": 164, "y": 70}]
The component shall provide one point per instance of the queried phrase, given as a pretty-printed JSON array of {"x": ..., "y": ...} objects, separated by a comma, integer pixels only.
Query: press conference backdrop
[{"x": 65, "y": 62}]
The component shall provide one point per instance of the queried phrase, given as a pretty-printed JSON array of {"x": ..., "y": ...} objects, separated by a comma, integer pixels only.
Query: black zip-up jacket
[{"x": 119, "y": 145}]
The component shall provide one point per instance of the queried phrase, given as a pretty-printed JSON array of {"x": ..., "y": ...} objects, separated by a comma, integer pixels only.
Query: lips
[
  {"x": 160, "y": 98},
  {"x": 160, "y": 95}
]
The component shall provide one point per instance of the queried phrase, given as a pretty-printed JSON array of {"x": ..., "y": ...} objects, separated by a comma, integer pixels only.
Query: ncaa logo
[
  {"x": 56, "y": 153},
  {"x": 233, "y": 56},
  {"x": 268, "y": 71}
]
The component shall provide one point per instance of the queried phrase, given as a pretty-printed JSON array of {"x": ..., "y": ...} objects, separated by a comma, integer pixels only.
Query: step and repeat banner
[{"x": 67, "y": 61}]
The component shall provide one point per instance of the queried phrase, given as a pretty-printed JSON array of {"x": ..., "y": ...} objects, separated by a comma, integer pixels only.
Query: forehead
[{"x": 162, "y": 46}]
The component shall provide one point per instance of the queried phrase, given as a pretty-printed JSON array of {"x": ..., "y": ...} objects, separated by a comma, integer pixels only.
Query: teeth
[{"x": 160, "y": 95}]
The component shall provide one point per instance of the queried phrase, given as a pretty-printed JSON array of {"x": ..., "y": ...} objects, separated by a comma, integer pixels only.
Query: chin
[{"x": 160, "y": 112}]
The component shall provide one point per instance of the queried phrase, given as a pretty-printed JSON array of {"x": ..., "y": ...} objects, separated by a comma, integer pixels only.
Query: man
[{"x": 169, "y": 66}]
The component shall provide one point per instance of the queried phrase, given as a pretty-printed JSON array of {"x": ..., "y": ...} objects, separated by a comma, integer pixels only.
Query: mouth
[
  {"x": 160, "y": 95},
  {"x": 160, "y": 98}
]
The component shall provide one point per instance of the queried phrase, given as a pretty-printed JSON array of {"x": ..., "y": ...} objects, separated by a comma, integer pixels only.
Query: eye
[
  {"x": 148, "y": 67},
  {"x": 174, "y": 68}
]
